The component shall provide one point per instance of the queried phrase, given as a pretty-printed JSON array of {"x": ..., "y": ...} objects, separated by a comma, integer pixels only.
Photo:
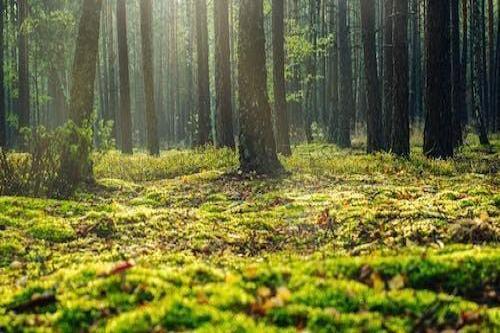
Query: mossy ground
[{"x": 342, "y": 242}]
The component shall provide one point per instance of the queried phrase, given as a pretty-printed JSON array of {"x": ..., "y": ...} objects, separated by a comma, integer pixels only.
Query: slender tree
[
  {"x": 497, "y": 74},
  {"x": 400, "y": 137},
  {"x": 458, "y": 93},
  {"x": 3, "y": 110},
  {"x": 375, "y": 139},
  {"x": 203, "y": 73},
  {"x": 125, "y": 103},
  {"x": 334, "y": 85},
  {"x": 257, "y": 146},
  {"x": 388, "y": 72},
  {"x": 147, "y": 69},
  {"x": 346, "y": 98},
  {"x": 24, "y": 75},
  {"x": 438, "y": 136},
  {"x": 280, "y": 109},
  {"x": 224, "y": 108}
]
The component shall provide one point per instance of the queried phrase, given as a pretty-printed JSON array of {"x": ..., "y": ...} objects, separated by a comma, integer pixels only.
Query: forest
[{"x": 249, "y": 166}]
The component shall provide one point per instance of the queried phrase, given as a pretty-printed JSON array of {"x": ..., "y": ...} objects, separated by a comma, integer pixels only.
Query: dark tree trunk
[
  {"x": 113, "y": 92},
  {"x": 147, "y": 69},
  {"x": 280, "y": 109},
  {"x": 224, "y": 108},
  {"x": 478, "y": 70},
  {"x": 203, "y": 74},
  {"x": 497, "y": 74},
  {"x": 388, "y": 72},
  {"x": 491, "y": 64},
  {"x": 3, "y": 109},
  {"x": 24, "y": 81},
  {"x": 125, "y": 104},
  {"x": 257, "y": 146},
  {"x": 375, "y": 140},
  {"x": 458, "y": 96},
  {"x": 465, "y": 62},
  {"x": 346, "y": 99},
  {"x": 438, "y": 136},
  {"x": 77, "y": 166},
  {"x": 334, "y": 86},
  {"x": 400, "y": 142}
]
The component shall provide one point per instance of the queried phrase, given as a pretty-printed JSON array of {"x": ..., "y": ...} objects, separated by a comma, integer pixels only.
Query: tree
[
  {"x": 125, "y": 108},
  {"x": 388, "y": 72},
  {"x": 375, "y": 140},
  {"x": 497, "y": 74},
  {"x": 438, "y": 136},
  {"x": 280, "y": 109},
  {"x": 24, "y": 75},
  {"x": 458, "y": 92},
  {"x": 203, "y": 73},
  {"x": 3, "y": 110},
  {"x": 76, "y": 163},
  {"x": 147, "y": 69},
  {"x": 224, "y": 108},
  {"x": 257, "y": 146},
  {"x": 400, "y": 134},
  {"x": 346, "y": 99}
]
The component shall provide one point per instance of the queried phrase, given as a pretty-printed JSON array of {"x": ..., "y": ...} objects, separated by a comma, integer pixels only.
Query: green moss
[{"x": 52, "y": 230}]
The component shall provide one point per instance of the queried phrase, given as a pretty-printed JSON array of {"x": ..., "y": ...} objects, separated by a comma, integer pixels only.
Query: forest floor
[{"x": 343, "y": 242}]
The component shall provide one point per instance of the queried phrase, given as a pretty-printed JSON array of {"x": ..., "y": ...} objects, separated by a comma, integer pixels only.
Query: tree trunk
[
  {"x": 257, "y": 145},
  {"x": 280, "y": 109},
  {"x": 24, "y": 81},
  {"x": 346, "y": 99},
  {"x": 438, "y": 136},
  {"x": 147, "y": 69},
  {"x": 224, "y": 107},
  {"x": 3, "y": 109},
  {"x": 203, "y": 74},
  {"x": 491, "y": 64},
  {"x": 388, "y": 72},
  {"x": 497, "y": 74},
  {"x": 334, "y": 86},
  {"x": 458, "y": 96},
  {"x": 77, "y": 165},
  {"x": 465, "y": 63},
  {"x": 400, "y": 142},
  {"x": 125, "y": 104},
  {"x": 375, "y": 140}
]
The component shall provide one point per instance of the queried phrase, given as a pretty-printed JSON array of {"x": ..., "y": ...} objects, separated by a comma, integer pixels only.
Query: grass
[{"x": 343, "y": 242}]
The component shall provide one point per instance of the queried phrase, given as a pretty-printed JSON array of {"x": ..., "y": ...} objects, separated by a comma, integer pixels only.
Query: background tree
[
  {"x": 280, "y": 107},
  {"x": 24, "y": 75},
  {"x": 123, "y": 58},
  {"x": 203, "y": 73},
  {"x": 147, "y": 68},
  {"x": 257, "y": 146},
  {"x": 458, "y": 93},
  {"x": 400, "y": 142},
  {"x": 3, "y": 109},
  {"x": 388, "y": 71},
  {"x": 375, "y": 139},
  {"x": 224, "y": 108},
  {"x": 346, "y": 99}
]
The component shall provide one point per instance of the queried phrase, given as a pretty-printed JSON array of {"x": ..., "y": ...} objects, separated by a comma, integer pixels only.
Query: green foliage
[{"x": 52, "y": 230}]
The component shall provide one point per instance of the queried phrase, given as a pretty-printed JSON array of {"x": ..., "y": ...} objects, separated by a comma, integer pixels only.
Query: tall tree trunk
[
  {"x": 280, "y": 109},
  {"x": 113, "y": 91},
  {"x": 438, "y": 137},
  {"x": 3, "y": 109},
  {"x": 257, "y": 145},
  {"x": 334, "y": 86},
  {"x": 458, "y": 96},
  {"x": 224, "y": 107},
  {"x": 375, "y": 140},
  {"x": 491, "y": 63},
  {"x": 478, "y": 70},
  {"x": 465, "y": 62},
  {"x": 125, "y": 104},
  {"x": 400, "y": 142},
  {"x": 497, "y": 74},
  {"x": 346, "y": 99},
  {"x": 203, "y": 73},
  {"x": 77, "y": 166},
  {"x": 24, "y": 81},
  {"x": 147, "y": 69},
  {"x": 388, "y": 72}
]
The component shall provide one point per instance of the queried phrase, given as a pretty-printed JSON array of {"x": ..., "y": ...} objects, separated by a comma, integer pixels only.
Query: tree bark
[
  {"x": 257, "y": 146},
  {"x": 375, "y": 140},
  {"x": 438, "y": 136},
  {"x": 388, "y": 72},
  {"x": 224, "y": 107},
  {"x": 24, "y": 81},
  {"x": 400, "y": 142},
  {"x": 458, "y": 96},
  {"x": 203, "y": 74},
  {"x": 346, "y": 99},
  {"x": 147, "y": 69},
  {"x": 3, "y": 109},
  {"x": 280, "y": 107},
  {"x": 123, "y": 59}
]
